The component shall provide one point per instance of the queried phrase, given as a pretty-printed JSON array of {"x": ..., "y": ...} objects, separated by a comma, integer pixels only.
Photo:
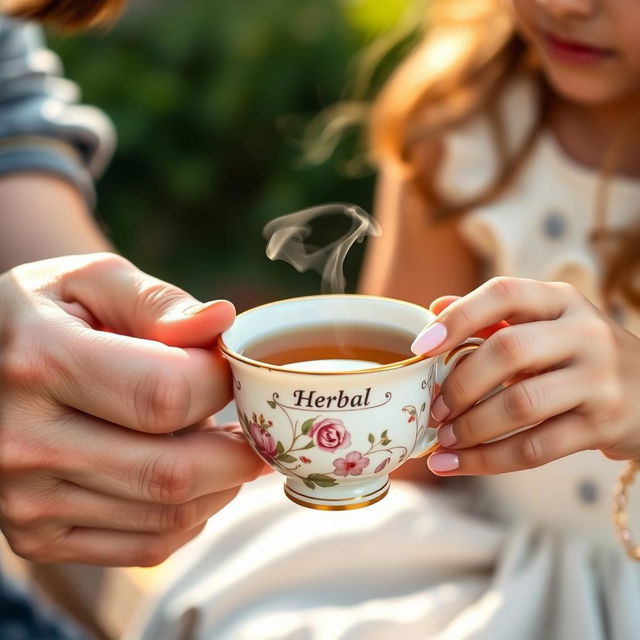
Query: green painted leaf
[
  {"x": 372, "y": 438},
  {"x": 309, "y": 445},
  {"x": 306, "y": 426},
  {"x": 422, "y": 407},
  {"x": 309, "y": 484},
  {"x": 385, "y": 442},
  {"x": 285, "y": 457},
  {"x": 271, "y": 403},
  {"x": 322, "y": 480},
  {"x": 279, "y": 447},
  {"x": 385, "y": 434},
  {"x": 326, "y": 483}
]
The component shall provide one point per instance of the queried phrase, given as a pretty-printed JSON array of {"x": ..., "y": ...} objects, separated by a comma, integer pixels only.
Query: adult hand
[
  {"x": 89, "y": 470},
  {"x": 570, "y": 371}
]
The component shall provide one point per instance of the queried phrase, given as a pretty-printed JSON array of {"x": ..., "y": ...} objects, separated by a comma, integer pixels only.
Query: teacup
[{"x": 335, "y": 428}]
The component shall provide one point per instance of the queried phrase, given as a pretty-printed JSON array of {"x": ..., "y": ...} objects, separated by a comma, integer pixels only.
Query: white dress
[{"x": 520, "y": 556}]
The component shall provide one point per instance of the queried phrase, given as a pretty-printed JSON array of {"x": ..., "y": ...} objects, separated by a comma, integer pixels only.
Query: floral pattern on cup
[
  {"x": 329, "y": 435},
  {"x": 353, "y": 464},
  {"x": 265, "y": 444}
]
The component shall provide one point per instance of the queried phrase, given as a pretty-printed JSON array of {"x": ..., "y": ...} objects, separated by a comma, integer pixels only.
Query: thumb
[
  {"x": 132, "y": 302},
  {"x": 186, "y": 322}
]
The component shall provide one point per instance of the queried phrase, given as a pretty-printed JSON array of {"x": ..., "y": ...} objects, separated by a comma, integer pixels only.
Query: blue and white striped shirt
[{"x": 42, "y": 126}]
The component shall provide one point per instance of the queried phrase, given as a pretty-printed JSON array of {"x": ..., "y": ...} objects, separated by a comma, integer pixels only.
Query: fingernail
[
  {"x": 440, "y": 462},
  {"x": 429, "y": 338},
  {"x": 439, "y": 410},
  {"x": 195, "y": 309},
  {"x": 446, "y": 437}
]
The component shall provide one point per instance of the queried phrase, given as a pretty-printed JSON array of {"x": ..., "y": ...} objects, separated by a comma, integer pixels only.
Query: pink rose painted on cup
[
  {"x": 265, "y": 444},
  {"x": 329, "y": 434}
]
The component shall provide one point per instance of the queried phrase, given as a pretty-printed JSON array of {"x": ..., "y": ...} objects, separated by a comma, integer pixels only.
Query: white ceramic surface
[{"x": 335, "y": 434}]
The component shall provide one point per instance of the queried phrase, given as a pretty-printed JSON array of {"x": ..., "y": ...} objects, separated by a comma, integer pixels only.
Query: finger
[
  {"x": 154, "y": 468},
  {"x": 548, "y": 441},
  {"x": 120, "y": 549},
  {"x": 208, "y": 424},
  {"x": 518, "y": 349},
  {"x": 525, "y": 403},
  {"x": 129, "y": 301},
  {"x": 514, "y": 300},
  {"x": 136, "y": 383},
  {"x": 80, "y": 507},
  {"x": 440, "y": 304}
]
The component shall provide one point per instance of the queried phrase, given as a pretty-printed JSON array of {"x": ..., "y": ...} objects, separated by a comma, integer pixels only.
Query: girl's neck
[{"x": 586, "y": 132}]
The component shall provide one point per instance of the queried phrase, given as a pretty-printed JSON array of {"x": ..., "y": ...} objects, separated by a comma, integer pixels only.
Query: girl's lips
[{"x": 575, "y": 52}]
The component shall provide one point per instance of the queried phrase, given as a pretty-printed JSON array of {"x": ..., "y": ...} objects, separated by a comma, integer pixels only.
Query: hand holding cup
[
  {"x": 89, "y": 471},
  {"x": 569, "y": 374}
]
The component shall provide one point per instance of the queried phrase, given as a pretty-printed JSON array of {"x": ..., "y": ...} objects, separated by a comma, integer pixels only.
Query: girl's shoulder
[
  {"x": 539, "y": 225},
  {"x": 471, "y": 154}
]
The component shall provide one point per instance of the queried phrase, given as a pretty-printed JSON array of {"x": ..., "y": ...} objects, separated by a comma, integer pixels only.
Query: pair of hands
[
  {"x": 89, "y": 470},
  {"x": 566, "y": 368}
]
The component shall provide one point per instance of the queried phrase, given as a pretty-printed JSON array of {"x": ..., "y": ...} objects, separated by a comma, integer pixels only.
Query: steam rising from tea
[
  {"x": 344, "y": 347},
  {"x": 287, "y": 234}
]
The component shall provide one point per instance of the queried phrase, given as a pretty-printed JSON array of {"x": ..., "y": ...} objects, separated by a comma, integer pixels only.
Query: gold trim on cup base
[{"x": 336, "y": 507}]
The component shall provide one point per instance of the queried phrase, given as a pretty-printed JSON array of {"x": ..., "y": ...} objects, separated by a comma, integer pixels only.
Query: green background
[{"x": 209, "y": 98}]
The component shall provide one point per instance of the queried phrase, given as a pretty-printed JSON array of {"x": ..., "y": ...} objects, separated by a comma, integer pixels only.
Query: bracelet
[{"x": 620, "y": 514}]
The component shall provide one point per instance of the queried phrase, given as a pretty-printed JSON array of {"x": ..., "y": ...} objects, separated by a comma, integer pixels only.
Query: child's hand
[
  {"x": 88, "y": 471},
  {"x": 441, "y": 303},
  {"x": 568, "y": 369}
]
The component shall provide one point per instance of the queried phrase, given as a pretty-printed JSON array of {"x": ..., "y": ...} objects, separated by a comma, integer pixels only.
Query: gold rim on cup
[{"x": 228, "y": 351}]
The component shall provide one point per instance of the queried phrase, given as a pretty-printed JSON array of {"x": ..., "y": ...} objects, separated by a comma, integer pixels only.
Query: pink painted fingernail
[
  {"x": 440, "y": 462},
  {"x": 446, "y": 437},
  {"x": 429, "y": 338},
  {"x": 439, "y": 409}
]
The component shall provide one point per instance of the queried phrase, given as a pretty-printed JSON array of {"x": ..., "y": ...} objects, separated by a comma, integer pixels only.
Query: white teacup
[{"x": 335, "y": 429}]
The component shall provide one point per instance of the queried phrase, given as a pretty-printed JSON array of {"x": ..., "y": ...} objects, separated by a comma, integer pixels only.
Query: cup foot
[{"x": 354, "y": 497}]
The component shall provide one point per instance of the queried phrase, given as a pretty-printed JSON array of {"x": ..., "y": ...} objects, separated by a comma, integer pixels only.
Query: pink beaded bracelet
[{"x": 620, "y": 514}]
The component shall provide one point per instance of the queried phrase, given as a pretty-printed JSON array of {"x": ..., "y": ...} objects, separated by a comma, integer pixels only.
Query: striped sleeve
[{"x": 42, "y": 125}]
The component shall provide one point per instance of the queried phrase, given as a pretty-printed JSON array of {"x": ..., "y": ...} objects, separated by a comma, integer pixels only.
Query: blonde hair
[
  {"x": 468, "y": 55},
  {"x": 70, "y": 15}
]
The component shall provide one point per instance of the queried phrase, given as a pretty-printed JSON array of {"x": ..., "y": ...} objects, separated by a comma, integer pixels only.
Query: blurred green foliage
[{"x": 208, "y": 97}]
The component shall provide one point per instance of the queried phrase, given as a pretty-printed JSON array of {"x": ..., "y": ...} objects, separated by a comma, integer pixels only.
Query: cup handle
[{"x": 444, "y": 364}]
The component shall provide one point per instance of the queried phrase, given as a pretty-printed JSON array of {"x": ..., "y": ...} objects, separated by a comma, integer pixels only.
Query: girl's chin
[{"x": 593, "y": 90}]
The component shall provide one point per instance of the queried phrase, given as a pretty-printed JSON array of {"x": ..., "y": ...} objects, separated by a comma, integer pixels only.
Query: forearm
[
  {"x": 43, "y": 216},
  {"x": 412, "y": 258}
]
